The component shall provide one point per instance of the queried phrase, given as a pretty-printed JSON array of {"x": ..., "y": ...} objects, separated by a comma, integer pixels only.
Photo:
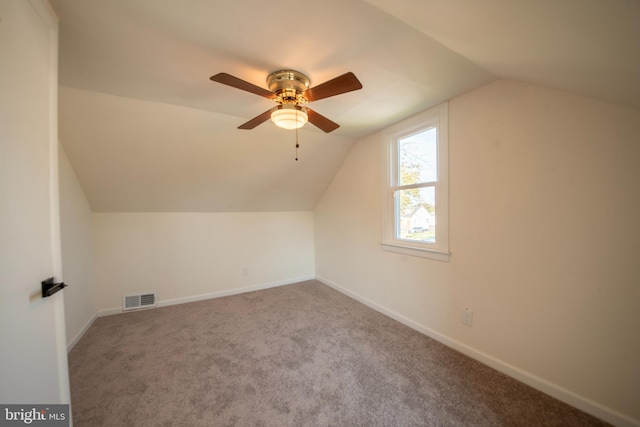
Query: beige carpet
[{"x": 297, "y": 355}]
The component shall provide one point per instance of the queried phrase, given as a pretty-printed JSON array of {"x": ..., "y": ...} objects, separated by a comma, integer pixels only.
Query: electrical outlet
[
  {"x": 245, "y": 271},
  {"x": 467, "y": 317}
]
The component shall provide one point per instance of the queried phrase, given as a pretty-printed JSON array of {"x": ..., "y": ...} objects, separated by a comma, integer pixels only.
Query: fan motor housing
[{"x": 288, "y": 84}]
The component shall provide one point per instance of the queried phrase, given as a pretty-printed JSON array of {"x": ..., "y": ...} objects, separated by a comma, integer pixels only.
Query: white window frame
[{"x": 434, "y": 117}]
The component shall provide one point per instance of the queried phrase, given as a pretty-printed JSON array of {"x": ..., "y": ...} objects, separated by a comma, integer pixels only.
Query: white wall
[
  {"x": 544, "y": 231},
  {"x": 184, "y": 255},
  {"x": 33, "y": 366},
  {"x": 78, "y": 263}
]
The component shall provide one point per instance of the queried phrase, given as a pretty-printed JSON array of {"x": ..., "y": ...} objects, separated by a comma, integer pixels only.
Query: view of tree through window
[{"x": 415, "y": 193}]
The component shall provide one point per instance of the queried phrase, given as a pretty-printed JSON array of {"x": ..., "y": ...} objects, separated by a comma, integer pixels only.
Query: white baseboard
[
  {"x": 218, "y": 294},
  {"x": 80, "y": 334},
  {"x": 560, "y": 393}
]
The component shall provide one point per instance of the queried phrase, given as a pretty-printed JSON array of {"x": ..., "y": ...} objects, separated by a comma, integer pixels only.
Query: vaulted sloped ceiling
[
  {"x": 146, "y": 130},
  {"x": 589, "y": 47}
]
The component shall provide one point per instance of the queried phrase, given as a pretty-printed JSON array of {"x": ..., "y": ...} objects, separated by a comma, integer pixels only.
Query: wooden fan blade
[
  {"x": 257, "y": 120},
  {"x": 229, "y": 80},
  {"x": 341, "y": 84},
  {"x": 321, "y": 121}
]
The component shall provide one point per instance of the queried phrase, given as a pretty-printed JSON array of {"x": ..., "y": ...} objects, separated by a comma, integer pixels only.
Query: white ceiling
[
  {"x": 146, "y": 130},
  {"x": 589, "y": 47}
]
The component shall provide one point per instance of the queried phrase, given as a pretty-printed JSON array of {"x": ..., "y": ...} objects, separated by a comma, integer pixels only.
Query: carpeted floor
[{"x": 296, "y": 355}]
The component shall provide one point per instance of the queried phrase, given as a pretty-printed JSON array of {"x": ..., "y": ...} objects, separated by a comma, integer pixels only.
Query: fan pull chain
[{"x": 297, "y": 144}]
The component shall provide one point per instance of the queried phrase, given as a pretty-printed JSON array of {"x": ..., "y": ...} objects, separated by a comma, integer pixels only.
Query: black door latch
[{"x": 49, "y": 287}]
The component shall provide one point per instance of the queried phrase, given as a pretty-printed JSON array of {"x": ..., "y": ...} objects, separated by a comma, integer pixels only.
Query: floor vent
[{"x": 135, "y": 302}]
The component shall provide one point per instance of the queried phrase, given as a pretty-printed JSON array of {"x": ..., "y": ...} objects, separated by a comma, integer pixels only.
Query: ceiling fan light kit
[
  {"x": 289, "y": 116},
  {"x": 290, "y": 90}
]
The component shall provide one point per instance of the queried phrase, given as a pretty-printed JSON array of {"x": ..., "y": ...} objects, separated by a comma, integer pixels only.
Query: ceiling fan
[{"x": 290, "y": 90}]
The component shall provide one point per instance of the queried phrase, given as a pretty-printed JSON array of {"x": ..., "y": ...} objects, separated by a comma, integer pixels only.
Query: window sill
[{"x": 419, "y": 252}]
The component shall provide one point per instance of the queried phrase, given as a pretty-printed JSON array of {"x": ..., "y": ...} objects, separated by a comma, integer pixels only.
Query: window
[{"x": 415, "y": 190}]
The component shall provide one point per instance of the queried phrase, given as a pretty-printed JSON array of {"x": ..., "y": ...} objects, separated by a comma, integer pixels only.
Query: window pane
[
  {"x": 416, "y": 214},
  {"x": 417, "y": 158}
]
